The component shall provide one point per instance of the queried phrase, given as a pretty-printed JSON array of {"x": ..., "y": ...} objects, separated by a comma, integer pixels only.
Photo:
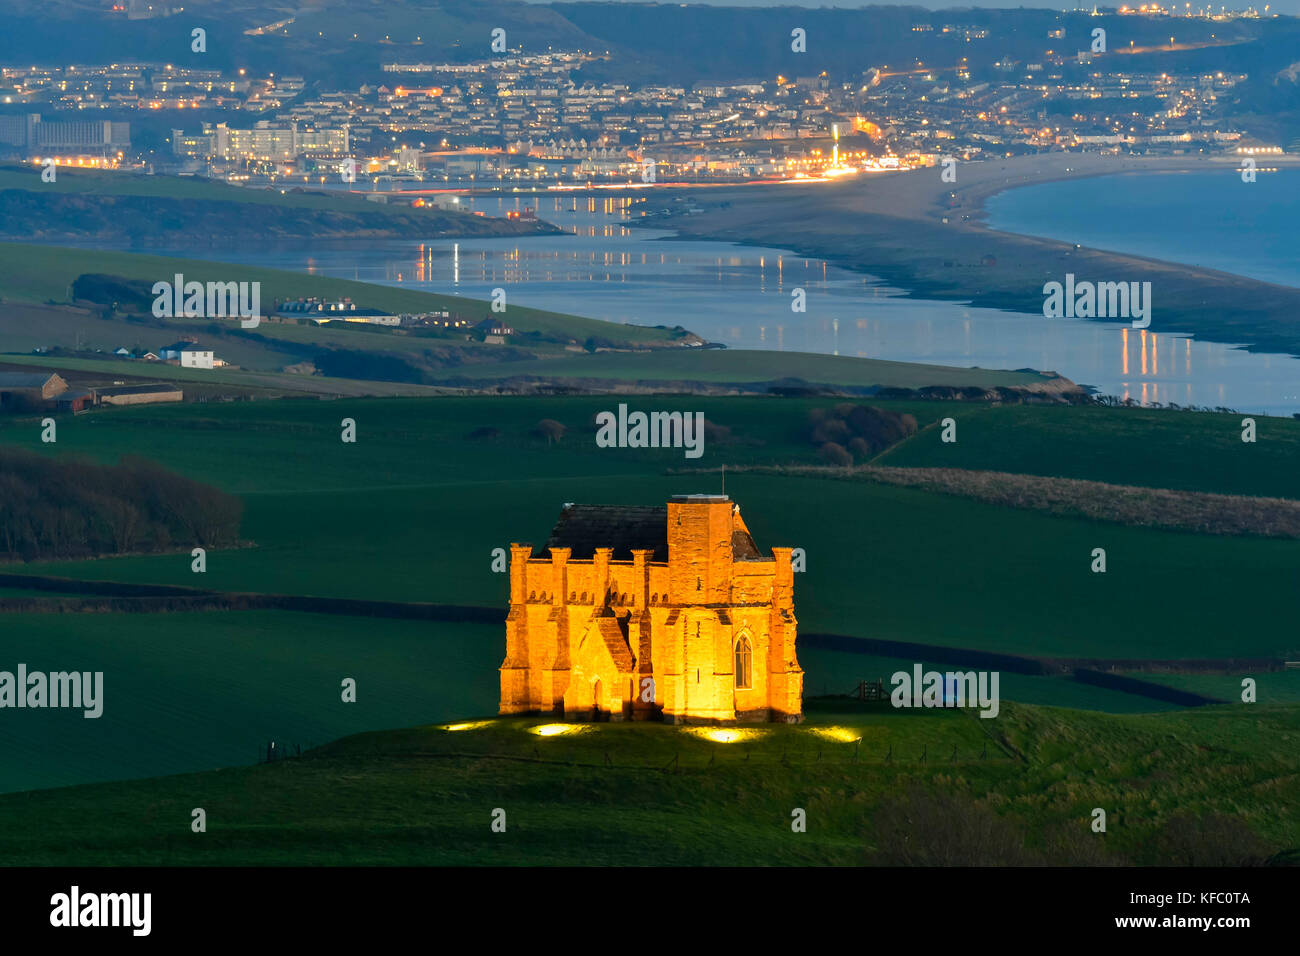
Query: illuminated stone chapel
[{"x": 649, "y": 613}]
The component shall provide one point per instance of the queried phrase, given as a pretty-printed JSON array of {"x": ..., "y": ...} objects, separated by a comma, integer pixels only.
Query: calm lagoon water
[
  {"x": 1212, "y": 220},
  {"x": 741, "y": 295}
]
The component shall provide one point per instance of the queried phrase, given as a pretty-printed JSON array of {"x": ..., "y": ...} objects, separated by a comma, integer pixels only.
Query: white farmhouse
[
  {"x": 188, "y": 354},
  {"x": 195, "y": 358}
]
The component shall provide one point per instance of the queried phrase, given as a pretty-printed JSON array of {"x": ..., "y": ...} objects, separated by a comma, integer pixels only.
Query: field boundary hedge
[
  {"x": 1084, "y": 670},
  {"x": 1131, "y": 685},
  {"x": 923, "y": 652},
  {"x": 211, "y": 601},
  {"x": 40, "y": 582}
]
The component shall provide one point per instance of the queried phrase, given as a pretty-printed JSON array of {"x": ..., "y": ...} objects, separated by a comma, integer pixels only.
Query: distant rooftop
[{"x": 24, "y": 379}]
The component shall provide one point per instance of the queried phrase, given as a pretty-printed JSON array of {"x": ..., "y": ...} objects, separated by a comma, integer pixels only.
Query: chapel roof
[{"x": 584, "y": 528}]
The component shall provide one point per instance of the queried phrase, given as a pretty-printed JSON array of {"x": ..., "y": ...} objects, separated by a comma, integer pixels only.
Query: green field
[
  {"x": 1271, "y": 687},
  {"x": 275, "y": 675},
  {"x": 414, "y": 509},
  {"x": 250, "y": 383},
  {"x": 837, "y": 672},
  {"x": 1195, "y": 451},
  {"x": 419, "y": 507},
  {"x": 647, "y": 794},
  {"x": 191, "y": 691}
]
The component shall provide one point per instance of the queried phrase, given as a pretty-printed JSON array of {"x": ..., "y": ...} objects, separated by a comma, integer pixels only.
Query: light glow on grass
[
  {"x": 725, "y": 735},
  {"x": 843, "y": 735},
  {"x": 555, "y": 730},
  {"x": 468, "y": 725}
]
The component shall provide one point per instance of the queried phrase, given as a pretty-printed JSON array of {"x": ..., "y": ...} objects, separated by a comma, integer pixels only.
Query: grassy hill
[{"x": 1178, "y": 788}]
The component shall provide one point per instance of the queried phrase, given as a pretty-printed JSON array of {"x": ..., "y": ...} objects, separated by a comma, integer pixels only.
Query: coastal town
[{"x": 528, "y": 120}]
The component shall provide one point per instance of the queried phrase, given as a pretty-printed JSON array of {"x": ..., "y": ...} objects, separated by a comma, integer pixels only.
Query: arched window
[{"x": 744, "y": 663}]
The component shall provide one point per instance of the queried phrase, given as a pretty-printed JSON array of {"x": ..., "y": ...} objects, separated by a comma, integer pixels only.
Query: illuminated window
[{"x": 744, "y": 663}]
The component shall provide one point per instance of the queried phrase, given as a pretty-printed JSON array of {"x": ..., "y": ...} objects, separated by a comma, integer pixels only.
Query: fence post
[{"x": 925, "y": 753}]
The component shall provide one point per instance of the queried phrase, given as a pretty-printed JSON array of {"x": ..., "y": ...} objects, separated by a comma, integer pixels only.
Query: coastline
[{"x": 892, "y": 227}]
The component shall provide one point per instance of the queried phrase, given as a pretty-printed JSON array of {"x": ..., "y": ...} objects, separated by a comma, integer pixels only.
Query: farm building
[
  {"x": 188, "y": 354},
  {"x": 197, "y": 358},
  {"x": 138, "y": 394},
  {"x": 30, "y": 388},
  {"x": 652, "y": 612},
  {"x": 75, "y": 401}
]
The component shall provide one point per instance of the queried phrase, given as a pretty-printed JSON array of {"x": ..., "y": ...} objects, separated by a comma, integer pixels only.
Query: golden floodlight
[
  {"x": 555, "y": 730},
  {"x": 842, "y": 734}
]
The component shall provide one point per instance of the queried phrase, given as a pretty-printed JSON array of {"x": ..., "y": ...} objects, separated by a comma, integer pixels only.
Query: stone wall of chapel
[{"x": 683, "y": 619}]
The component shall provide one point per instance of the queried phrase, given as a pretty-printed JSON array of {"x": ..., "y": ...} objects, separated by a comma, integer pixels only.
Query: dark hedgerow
[{"x": 64, "y": 508}]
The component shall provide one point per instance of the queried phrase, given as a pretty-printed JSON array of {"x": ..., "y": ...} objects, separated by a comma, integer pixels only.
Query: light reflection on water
[{"x": 741, "y": 295}]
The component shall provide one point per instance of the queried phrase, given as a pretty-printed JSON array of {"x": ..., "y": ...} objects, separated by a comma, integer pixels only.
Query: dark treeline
[
  {"x": 65, "y": 508},
  {"x": 849, "y": 431}
]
